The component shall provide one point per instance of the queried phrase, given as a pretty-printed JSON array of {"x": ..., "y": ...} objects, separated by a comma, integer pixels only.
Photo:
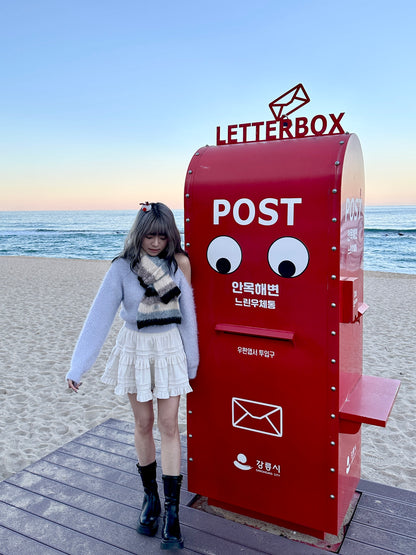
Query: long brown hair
[{"x": 158, "y": 219}]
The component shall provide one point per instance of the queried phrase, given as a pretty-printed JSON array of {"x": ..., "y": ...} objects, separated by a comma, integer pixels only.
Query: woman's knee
[
  {"x": 143, "y": 416},
  {"x": 168, "y": 426},
  {"x": 144, "y": 425}
]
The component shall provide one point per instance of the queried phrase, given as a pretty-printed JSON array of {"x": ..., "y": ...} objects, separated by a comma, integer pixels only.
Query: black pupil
[
  {"x": 223, "y": 266},
  {"x": 287, "y": 268}
]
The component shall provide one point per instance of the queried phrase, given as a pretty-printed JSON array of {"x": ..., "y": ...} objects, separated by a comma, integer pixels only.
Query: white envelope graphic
[
  {"x": 289, "y": 102},
  {"x": 262, "y": 418}
]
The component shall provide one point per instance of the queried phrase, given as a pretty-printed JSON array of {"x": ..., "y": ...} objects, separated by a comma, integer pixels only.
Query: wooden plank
[
  {"x": 128, "y": 427},
  {"x": 383, "y": 539},
  {"x": 98, "y": 456},
  {"x": 102, "y": 443},
  {"x": 106, "y": 458},
  {"x": 125, "y": 438},
  {"x": 351, "y": 547},
  {"x": 77, "y": 497},
  {"x": 107, "y": 445},
  {"x": 123, "y": 488},
  {"x": 105, "y": 488},
  {"x": 14, "y": 543},
  {"x": 47, "y": 532},
  {"x": 390, "y": 507},
  {"x": 119, "y": 436},
  {"x": 125, "y": 425},
  {"x": 403, "y": 495},
  {"x": 386, "y": 521},
  {"x": 84, "y": 522},
  {"x": 385, "y": 517},
  {"x": 125, "y": 473}
]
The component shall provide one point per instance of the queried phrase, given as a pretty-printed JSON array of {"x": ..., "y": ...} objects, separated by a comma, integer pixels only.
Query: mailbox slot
[{"x": 256, "y": 332}]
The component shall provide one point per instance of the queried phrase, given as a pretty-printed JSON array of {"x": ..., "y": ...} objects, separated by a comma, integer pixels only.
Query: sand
[{"x": 44, "y": 303}]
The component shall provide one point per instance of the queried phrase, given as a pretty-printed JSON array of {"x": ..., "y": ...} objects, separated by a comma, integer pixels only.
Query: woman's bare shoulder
[{"x": 184, "y": 264}]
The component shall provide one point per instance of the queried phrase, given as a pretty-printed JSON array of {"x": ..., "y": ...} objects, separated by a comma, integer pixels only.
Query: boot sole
[
  {"x": 147, "y": 530},
  {"x": 172, "y": 544}
]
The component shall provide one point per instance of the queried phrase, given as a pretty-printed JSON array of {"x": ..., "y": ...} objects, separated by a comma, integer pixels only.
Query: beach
[{"x": 44, "y": 304}]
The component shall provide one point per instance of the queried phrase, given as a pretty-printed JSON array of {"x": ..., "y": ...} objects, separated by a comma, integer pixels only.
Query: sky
[{"x": 104, "y": 102}]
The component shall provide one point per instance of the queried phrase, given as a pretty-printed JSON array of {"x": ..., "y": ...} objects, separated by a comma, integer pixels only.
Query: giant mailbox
[{"x": 275, "y": 232}]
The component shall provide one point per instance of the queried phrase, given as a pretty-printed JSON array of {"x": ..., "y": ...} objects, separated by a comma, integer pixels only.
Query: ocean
[{"x": 389, "y": 235}]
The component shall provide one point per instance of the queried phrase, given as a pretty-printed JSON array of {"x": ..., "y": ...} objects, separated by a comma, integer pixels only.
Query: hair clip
[{"x": 145, "y": 206}]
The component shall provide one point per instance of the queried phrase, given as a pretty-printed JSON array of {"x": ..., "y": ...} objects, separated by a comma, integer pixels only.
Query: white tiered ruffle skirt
[{"x": 148, "y": 364}]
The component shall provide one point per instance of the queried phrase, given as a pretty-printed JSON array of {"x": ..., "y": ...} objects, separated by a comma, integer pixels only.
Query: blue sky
[{"x": 103, "y": 103}]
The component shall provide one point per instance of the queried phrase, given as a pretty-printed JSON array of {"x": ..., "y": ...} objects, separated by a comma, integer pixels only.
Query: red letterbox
[{"x": 275, "y": 231}]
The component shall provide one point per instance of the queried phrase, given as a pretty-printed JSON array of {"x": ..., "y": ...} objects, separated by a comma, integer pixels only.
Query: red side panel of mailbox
[
  {"x": 267, "y": 229},
  {"x": 351, "y": 310}
]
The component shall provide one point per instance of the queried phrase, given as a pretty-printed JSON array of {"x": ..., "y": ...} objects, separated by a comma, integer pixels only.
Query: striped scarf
[{"x": 160, "y": 304}]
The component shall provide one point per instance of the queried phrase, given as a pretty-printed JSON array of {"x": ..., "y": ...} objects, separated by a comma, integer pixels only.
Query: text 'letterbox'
[{"x": 275, "y": 232}]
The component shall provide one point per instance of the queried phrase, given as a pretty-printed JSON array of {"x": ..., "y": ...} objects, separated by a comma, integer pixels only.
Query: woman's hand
[{"x": 74, "y": 385}]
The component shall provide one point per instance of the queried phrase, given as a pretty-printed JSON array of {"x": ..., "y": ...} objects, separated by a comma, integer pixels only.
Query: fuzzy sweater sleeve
[
  {"x": 188, "y": 327},
  {"x": 98, "y": 322}
]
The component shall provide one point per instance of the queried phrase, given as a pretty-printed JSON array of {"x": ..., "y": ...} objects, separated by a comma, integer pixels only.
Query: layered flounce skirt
[{"x": 148, "y": 364}]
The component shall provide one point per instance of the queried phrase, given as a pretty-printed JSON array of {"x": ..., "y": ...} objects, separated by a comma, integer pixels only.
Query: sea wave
[{"x": 390, "y": 230}]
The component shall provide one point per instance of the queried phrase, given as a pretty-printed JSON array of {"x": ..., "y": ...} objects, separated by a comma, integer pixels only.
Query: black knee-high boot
[
  {"x": 148, "y": 521},
  {"x": 171, "y": 533}
]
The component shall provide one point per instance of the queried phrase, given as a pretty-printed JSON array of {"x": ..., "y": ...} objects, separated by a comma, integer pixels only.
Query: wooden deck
[{"x": 84, "y": 498}]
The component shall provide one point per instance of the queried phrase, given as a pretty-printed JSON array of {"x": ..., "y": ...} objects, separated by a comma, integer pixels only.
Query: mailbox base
[{"x": 267, "y": 518}]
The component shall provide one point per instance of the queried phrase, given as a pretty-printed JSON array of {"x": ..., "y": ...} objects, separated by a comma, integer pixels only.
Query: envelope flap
[
  {"x": 254, "y": 409},
  {"x": 300, "y": 96}
]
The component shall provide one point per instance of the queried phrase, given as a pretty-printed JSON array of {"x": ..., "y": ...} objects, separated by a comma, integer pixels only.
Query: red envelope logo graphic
[
  {"x": 262, "y": 418},
  {"x": 289, "y": 102}
]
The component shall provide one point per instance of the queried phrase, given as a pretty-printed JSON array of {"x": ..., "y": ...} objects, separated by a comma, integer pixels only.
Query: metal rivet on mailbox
[
  {"x": 334, "y": 248},
  {"x": 189, "y": 171},
  {"x": 333, "y": 388},
  {"x": 334, "y": 219},
  {"x": 188, "y": 244},
  {"x": 332, "y": 469},
  {"x": 191, "y": 459},
  {"x": 332, "y": 443},
  {"x": 333, "y": 416},
  {"x": 335, "y": 190},
  {"x": 189, "y": 411},
  {"x": 333, "y": 276},
  {"x": 333, "y": 305},
  {"x": 190, "y": 435},
  {"x": 188, "y": 219},
  {"x": 187, "y": 195},
  {"x": 341, "y": 142},
  {"x": 337, "y": 163},
  {"x": 333, "y": 360},
  {"x": 332, "y": 496},
  {"x": 333, "y": 332}
]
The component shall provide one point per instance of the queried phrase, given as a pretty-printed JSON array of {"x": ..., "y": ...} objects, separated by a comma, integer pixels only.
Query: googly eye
[
  {"x": 224, "y": 254},
  {"x": 288, "y": 257}
]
